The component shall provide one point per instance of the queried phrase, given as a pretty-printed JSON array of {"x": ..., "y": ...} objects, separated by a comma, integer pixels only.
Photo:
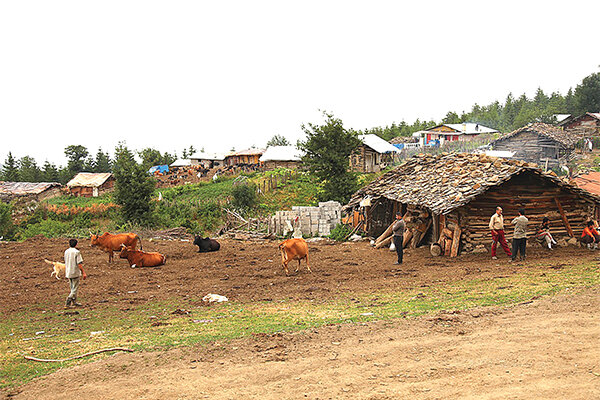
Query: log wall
[
  {"x": 532, "y": 147},
  {"x": 537, "y": 197}
]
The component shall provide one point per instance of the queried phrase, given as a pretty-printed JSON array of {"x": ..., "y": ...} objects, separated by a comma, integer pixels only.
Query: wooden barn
[
  {"x": 247, "y": 157},
  {"x": 587, "y": 121},
  {"x": 449, "y": 199},
  {"x": 544, "y": 144},
  {"x": 281, "y": 157},
  {"x": 89, "y": 184},
  {"x": 373, "y": 155},
  {"x": 35, "y": 191}
]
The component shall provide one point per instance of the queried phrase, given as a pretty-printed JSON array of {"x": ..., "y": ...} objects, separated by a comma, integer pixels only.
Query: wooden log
[
  {"x": 385, "y": 234},
  {"x": 447, "y": 246},
  {"x": 564, "y": 218},
  {"x": 455, "y": 242},
  {"x": 384, "y": 242},
  {"x": 407, "y": 238},
  {"x": 447, "y": 233},
  {"x": 435, "y": 249}
]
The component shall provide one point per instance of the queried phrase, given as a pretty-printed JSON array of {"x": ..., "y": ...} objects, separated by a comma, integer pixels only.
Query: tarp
[
  {"x": 89, "y": 179},
  {"x": 159, "y": 168},
  {"x": 281, "y": 153},
  {"x": 26, "y": 188}
]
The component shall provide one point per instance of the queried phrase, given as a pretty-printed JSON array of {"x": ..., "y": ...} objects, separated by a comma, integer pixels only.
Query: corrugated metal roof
[
  {"x": 589, "y": 182},
  {"x": 281, "y": 153},
  {"x": 378, "y": 144},
  {"x": 89, "y": 179},
  {"x": 200, "y": 155},
  {"x": 26, "y": 188}
]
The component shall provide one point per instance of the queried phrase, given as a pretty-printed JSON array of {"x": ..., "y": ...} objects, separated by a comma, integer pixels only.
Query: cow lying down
[
  {"x": 206, "y": 244},
  {"x": 294, "y": 249},
  {"x": 138, "y": 258}
]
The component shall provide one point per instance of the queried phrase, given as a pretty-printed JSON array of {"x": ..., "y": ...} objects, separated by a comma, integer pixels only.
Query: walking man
[
  {"x": 497, "y": 228},
  {"x": 519, "y": 242},
  {"x": 398, "y": 230},
  {"x": 73, "y": 271}
]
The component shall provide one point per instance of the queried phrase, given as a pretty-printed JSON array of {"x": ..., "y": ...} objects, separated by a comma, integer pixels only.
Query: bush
[
  {"x": 340, "y": 232},
  {"x": 7, "y": 228},
  {"x": 244, "y": 196}
]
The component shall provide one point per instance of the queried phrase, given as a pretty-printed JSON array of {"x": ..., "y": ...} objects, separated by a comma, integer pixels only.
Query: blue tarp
[
  {"x": 399, "y": 146},
  {"x": 160, "y": 168}
]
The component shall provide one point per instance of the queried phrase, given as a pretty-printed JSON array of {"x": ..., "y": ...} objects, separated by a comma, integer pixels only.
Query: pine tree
[
  {"x": 50, "y": 172},
  {"x": 10, "y": 170}
]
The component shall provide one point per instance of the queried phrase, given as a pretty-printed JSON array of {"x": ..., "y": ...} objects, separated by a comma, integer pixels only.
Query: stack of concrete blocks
[{"x": 312, "y": 221}]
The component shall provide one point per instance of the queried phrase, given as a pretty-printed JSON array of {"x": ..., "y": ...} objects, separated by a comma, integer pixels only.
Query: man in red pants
[{"x": 497, "y": 228}]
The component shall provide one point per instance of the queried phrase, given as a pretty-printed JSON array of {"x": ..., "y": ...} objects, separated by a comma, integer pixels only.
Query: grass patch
[{"x": 153, "y": 326}]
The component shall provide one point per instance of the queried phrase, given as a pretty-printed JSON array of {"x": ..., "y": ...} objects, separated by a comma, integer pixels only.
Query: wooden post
[
  {"x": 564, "y": 217},
  {"x": 455, "y": 241},
  {"x": 442, "y": 222}
]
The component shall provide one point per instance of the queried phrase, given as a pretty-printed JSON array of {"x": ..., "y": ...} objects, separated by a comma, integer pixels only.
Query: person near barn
[
  {"x": 543, "y": 235},
  {"x": 590, "y": 236},
  {"x": 398, "y": 231},
  {"x": 497, "y": 229},
  {"x": 519, "y": 242}
]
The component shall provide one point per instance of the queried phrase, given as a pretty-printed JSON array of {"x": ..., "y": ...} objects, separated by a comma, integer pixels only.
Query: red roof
[{"x": 589, "y": 182}]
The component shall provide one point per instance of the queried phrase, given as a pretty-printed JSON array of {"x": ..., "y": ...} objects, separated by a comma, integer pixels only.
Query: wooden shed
[
  {"x": 246, "y": 157},
  {"x": 452, "y": 197},
  {"x": 373, "y": 155},
  {"x": 544, "y": 144},
  {"x": 89, "y": 184},
  {"x": 587, "y": 121},
  {"x": 281, "y": 157},
  {"x": 35, "y": 191}
]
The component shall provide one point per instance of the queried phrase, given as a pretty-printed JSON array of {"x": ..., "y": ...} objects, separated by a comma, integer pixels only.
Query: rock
[
  {"x": 480, "y": 249},
  {"x": 573, "y": 242},
  {"x": 562, "y": 243}
]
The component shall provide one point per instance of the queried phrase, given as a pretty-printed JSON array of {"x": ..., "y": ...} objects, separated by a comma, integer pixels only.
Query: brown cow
[
  {"x": 294, "y": 249},
  {"x": 110, "y": 243},
  {"x": 139, "y": 258}
]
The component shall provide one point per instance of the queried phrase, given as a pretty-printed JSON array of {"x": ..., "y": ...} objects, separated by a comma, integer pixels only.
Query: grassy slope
[{"x": 136, "y": 327}]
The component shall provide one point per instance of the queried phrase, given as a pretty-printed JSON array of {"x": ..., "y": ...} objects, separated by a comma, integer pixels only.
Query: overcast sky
[{"x": 223, "y": 74}]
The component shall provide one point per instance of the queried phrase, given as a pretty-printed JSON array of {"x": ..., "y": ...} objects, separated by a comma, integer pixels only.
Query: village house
[
  {"x": 89, "y": 184},
  {"x": 207, "y": 160},
  {"x": 455, "y": 132},
  {"x": 281, "y": 157},
  {"x": 589, "y": 182},
  {"x": 247, "y": 157},
  {"x": 373, "y": 155},
  {"x": 539, "y": 143},
  {"x": 448, "y": 200},
  {"x": 34, "y": 191},
  {"x": 588, "y": 120}
]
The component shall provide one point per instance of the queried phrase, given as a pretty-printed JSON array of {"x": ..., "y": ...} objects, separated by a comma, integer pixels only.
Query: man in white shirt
[{"x": 73, "y": 271}]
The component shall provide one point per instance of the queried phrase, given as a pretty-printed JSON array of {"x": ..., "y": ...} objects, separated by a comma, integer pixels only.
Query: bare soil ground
[
  {"x": 545, "y": 349},
  {"x": 244, "y": 271}
]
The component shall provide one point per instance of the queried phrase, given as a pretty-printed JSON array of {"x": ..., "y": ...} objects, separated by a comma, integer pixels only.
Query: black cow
[{"x": 206, "y": 244}]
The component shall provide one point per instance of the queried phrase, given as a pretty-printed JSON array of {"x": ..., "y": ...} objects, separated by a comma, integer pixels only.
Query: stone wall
[{"x": 312, "y": 221}]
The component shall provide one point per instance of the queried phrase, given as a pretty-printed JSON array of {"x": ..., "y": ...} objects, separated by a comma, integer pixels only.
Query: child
[
  {"x": 543, "y": 234},
  {"x": 73, "y": 270}
]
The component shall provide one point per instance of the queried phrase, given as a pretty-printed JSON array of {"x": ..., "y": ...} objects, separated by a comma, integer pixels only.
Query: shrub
[
  {"x": 340, "y": 232},
  {"x": 244, "y": 196},
  {"x": 7, "y": 228}
]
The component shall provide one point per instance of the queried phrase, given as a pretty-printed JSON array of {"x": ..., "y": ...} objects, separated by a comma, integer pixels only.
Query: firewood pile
[
  {"x": 240, "y": 228},
  {"x": 417, "y": 223}
]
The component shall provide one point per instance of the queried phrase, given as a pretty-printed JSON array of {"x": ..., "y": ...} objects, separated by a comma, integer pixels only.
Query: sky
[{"x": 231, "y": 74}]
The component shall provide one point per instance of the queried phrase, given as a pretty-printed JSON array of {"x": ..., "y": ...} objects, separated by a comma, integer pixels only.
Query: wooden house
[
  {"x": 452, "y": 197},
  {"x": 455, "y": 132},
  {"x": 35, "y": 191},
  {"x": 539, "y": 143},
  {"x": 89, "y": 184},
  {"x": 281, "y": 157},
  {"x": 245, "y": 157},
  {"x": 373, "y": 155},
  {"x": 207, "y": 160},
  {"x": 588, "y": 120}
]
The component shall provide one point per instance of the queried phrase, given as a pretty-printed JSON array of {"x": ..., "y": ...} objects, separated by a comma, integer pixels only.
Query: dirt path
[{"x": 546, "y": 349}]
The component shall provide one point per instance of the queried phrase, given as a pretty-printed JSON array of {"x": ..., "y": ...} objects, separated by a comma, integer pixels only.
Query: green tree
[
  {"x": 451, "y": 118},
  {"x": 587, "y": 94},
  {"x": 151, "y": 157},
  {"x": 570, "y": 102},
  {"x": 327, "y": 150},
  {"x": 7, "y": 228},
  {"x": 10, "y": 170},
  {"x": 102, "y": 162},
  {"x": 133, "y": 187},
  {"x": 278, "y": 140},
  {"x": 76, "y": 155},
  {"x": 50, "y": 172},
  {"x": 29, "y": 170},
  {"x": 244, "y": 196}
]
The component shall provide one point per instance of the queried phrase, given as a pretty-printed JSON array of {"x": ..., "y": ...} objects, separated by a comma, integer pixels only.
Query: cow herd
[{"x": 125, "y": 244}]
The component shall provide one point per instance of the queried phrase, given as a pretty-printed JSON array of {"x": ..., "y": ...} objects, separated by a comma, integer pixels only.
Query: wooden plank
[
  {"x": 442, "y": 222},
  {"x": 455, "y": 241},
  {"x": 564, "y": 218}
]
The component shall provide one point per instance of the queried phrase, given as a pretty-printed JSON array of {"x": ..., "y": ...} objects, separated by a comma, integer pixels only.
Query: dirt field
[
  {"x": 242, "y": 271},
  {"x": 544, "y": 349}
]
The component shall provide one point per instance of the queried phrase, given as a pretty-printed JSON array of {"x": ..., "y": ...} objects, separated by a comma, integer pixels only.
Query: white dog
[{"x": 59, "y": 268}]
